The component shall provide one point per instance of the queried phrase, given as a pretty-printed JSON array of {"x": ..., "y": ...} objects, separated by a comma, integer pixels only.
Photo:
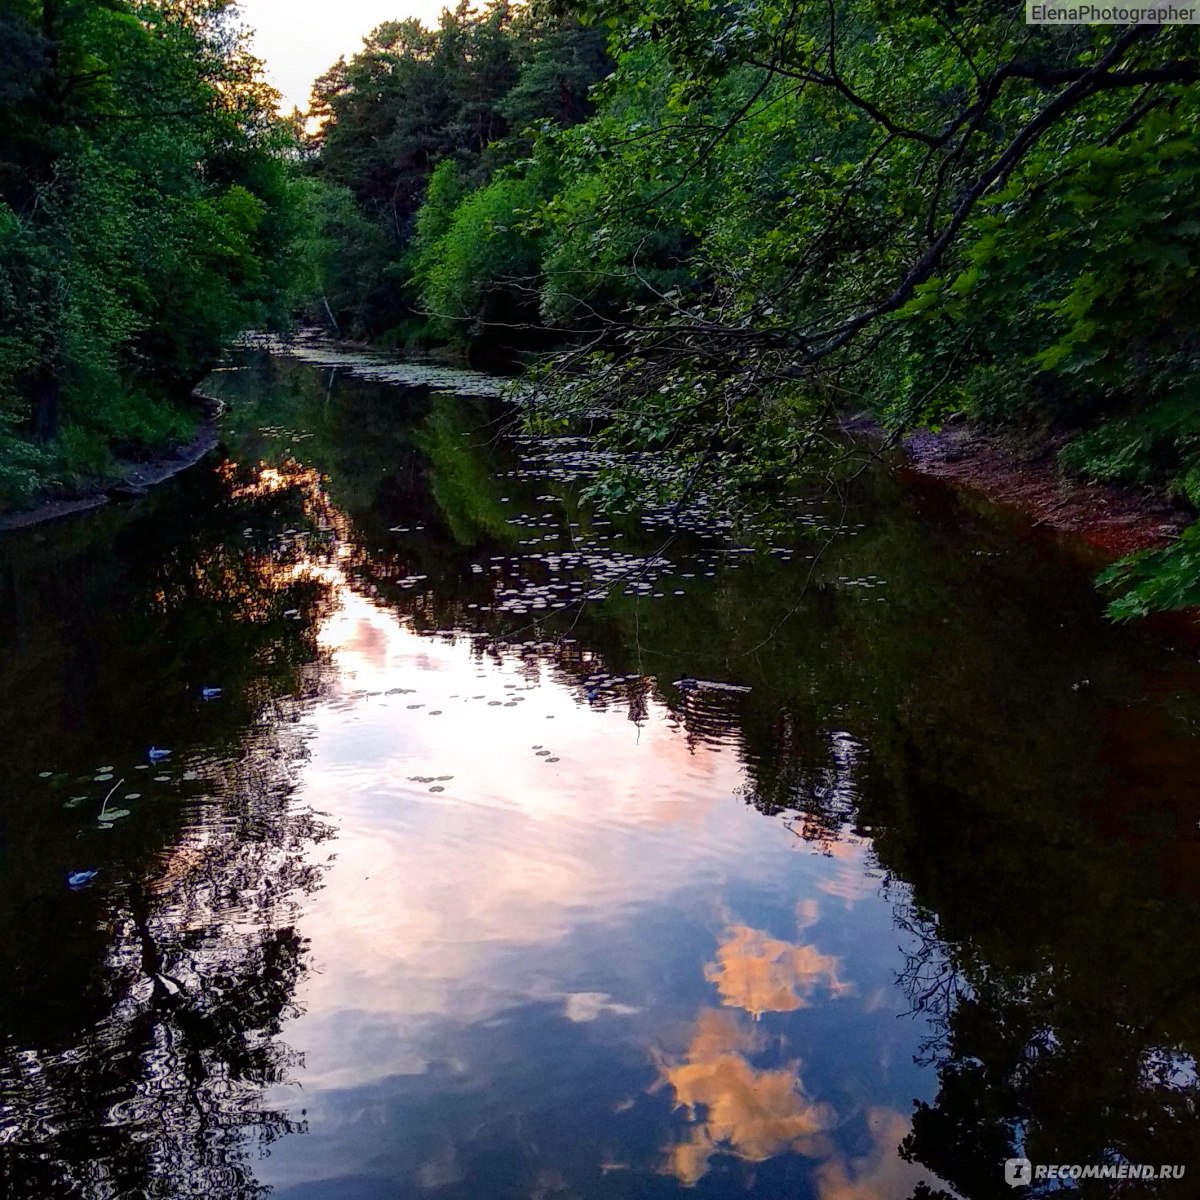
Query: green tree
[
  {"x": 421, "y": 119},
  {"x": 146, "y": 214}
]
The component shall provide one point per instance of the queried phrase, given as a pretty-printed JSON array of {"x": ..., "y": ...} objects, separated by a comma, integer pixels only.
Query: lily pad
[{"x": 115, "y": 814}]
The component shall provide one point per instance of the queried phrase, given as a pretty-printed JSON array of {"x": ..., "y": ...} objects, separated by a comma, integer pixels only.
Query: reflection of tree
[
  {"x": 809, "y": 779},
  {"x": 933, "y": 976},
  {"x": 1056, "y": 984},
  {"x": 142, "y": 1016},
  {"x": 161, "y": 1095},
  {"x": 207, "y": 588},
  {"x": 1066, "y": 1041}
]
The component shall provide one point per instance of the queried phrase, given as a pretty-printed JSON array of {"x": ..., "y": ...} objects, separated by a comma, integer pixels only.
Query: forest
[
  {"x": 553, "y": 736},
  {"x": 719, "y": 226}
]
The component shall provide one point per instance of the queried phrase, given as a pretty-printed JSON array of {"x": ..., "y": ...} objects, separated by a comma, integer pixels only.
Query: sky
[{"x": 300, "y": 39}]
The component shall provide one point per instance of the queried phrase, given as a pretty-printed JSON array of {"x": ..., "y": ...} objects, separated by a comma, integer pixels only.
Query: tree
[
  {"x": 421, "y": 119},
  {"x": 146, "y": 213}
]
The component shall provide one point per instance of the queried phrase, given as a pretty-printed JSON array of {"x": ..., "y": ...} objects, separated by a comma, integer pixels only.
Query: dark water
[{"x": 456, "y": 891}]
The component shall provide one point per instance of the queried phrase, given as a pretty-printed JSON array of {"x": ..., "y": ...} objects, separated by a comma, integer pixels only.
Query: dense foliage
[
  {"x": 779, "y": 209},
  {"x": 422, "y": 153},
  {"x": 146, "y": 210}
]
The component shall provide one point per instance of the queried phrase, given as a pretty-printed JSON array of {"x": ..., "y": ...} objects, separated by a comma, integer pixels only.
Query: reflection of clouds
[
  {"x": 736, "y": 1108},
  {"x": 656, "y": 782},
  {"x": 765, "y": 974},
  {"x": 880, "y": 1173},
  {"x": 755, "y": 1114},
  {"x": 849, "y": 876},
  {"x": 436, "y": 898},
  {"x": 582, "y": 1007},
  {"x": 441, "y": 1170},
  {"x": 850, "y": 882},
  {"x": 367, "y": 642},
  {"x": 432, "y": 893},
  {"x": 545, "y": 816}
]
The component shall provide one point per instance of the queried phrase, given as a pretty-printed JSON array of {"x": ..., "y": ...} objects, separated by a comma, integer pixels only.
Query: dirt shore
[
  {"x": 129, "y": 481},
  {"x": 1115, "y": 520}
]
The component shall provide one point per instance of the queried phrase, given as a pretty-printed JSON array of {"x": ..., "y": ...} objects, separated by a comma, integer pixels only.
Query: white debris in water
[{"x": 381, "y": 368}]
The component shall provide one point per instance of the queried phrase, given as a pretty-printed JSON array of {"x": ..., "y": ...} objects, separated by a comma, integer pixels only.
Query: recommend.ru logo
[{"x": 1020, "y": 1171}]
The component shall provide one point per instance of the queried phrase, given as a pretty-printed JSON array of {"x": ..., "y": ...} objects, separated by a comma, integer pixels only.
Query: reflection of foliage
[
  {"x": 809, "y": 776},
  {"x": 461, "y": 478},
  {"x": 161, "y": 1092},
  {"x": 136, "y": 1054},
  {"x": 1054, "y": 983},
  {"x": 1062, "y": 1010}
]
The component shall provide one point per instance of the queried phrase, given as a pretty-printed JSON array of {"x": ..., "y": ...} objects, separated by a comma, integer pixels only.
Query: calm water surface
[{"x": 472, "y": 882}]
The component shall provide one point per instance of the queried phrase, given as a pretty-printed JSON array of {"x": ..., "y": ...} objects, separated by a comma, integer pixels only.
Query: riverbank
[
  {"x": 129, "y": 481},
  {"x": 1116, "y": 520}
]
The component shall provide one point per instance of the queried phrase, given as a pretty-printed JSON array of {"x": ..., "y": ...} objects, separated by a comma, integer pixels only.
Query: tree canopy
[{"x": 146, "y": 210}]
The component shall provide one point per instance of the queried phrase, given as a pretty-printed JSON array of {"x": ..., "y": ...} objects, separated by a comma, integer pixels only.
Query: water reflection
[
  {"x": 142, "y": 1016},
  {"x": 761, "y": 974},
  {"x": 480, "y": 847},
  {"x": 752, "y": 1113}
]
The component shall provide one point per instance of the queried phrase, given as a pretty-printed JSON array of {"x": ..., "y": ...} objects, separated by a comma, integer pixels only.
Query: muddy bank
[
  {"x": 1114, "y": 520},
  {"x": 129, "y": 481}
]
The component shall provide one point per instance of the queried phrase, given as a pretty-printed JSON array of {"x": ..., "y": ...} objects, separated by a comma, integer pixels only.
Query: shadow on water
[{"x": 926, "y": 696}]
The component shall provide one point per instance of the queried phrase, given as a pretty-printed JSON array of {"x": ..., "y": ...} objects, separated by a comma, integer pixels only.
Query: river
[{"x": 491, "y": 847}]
